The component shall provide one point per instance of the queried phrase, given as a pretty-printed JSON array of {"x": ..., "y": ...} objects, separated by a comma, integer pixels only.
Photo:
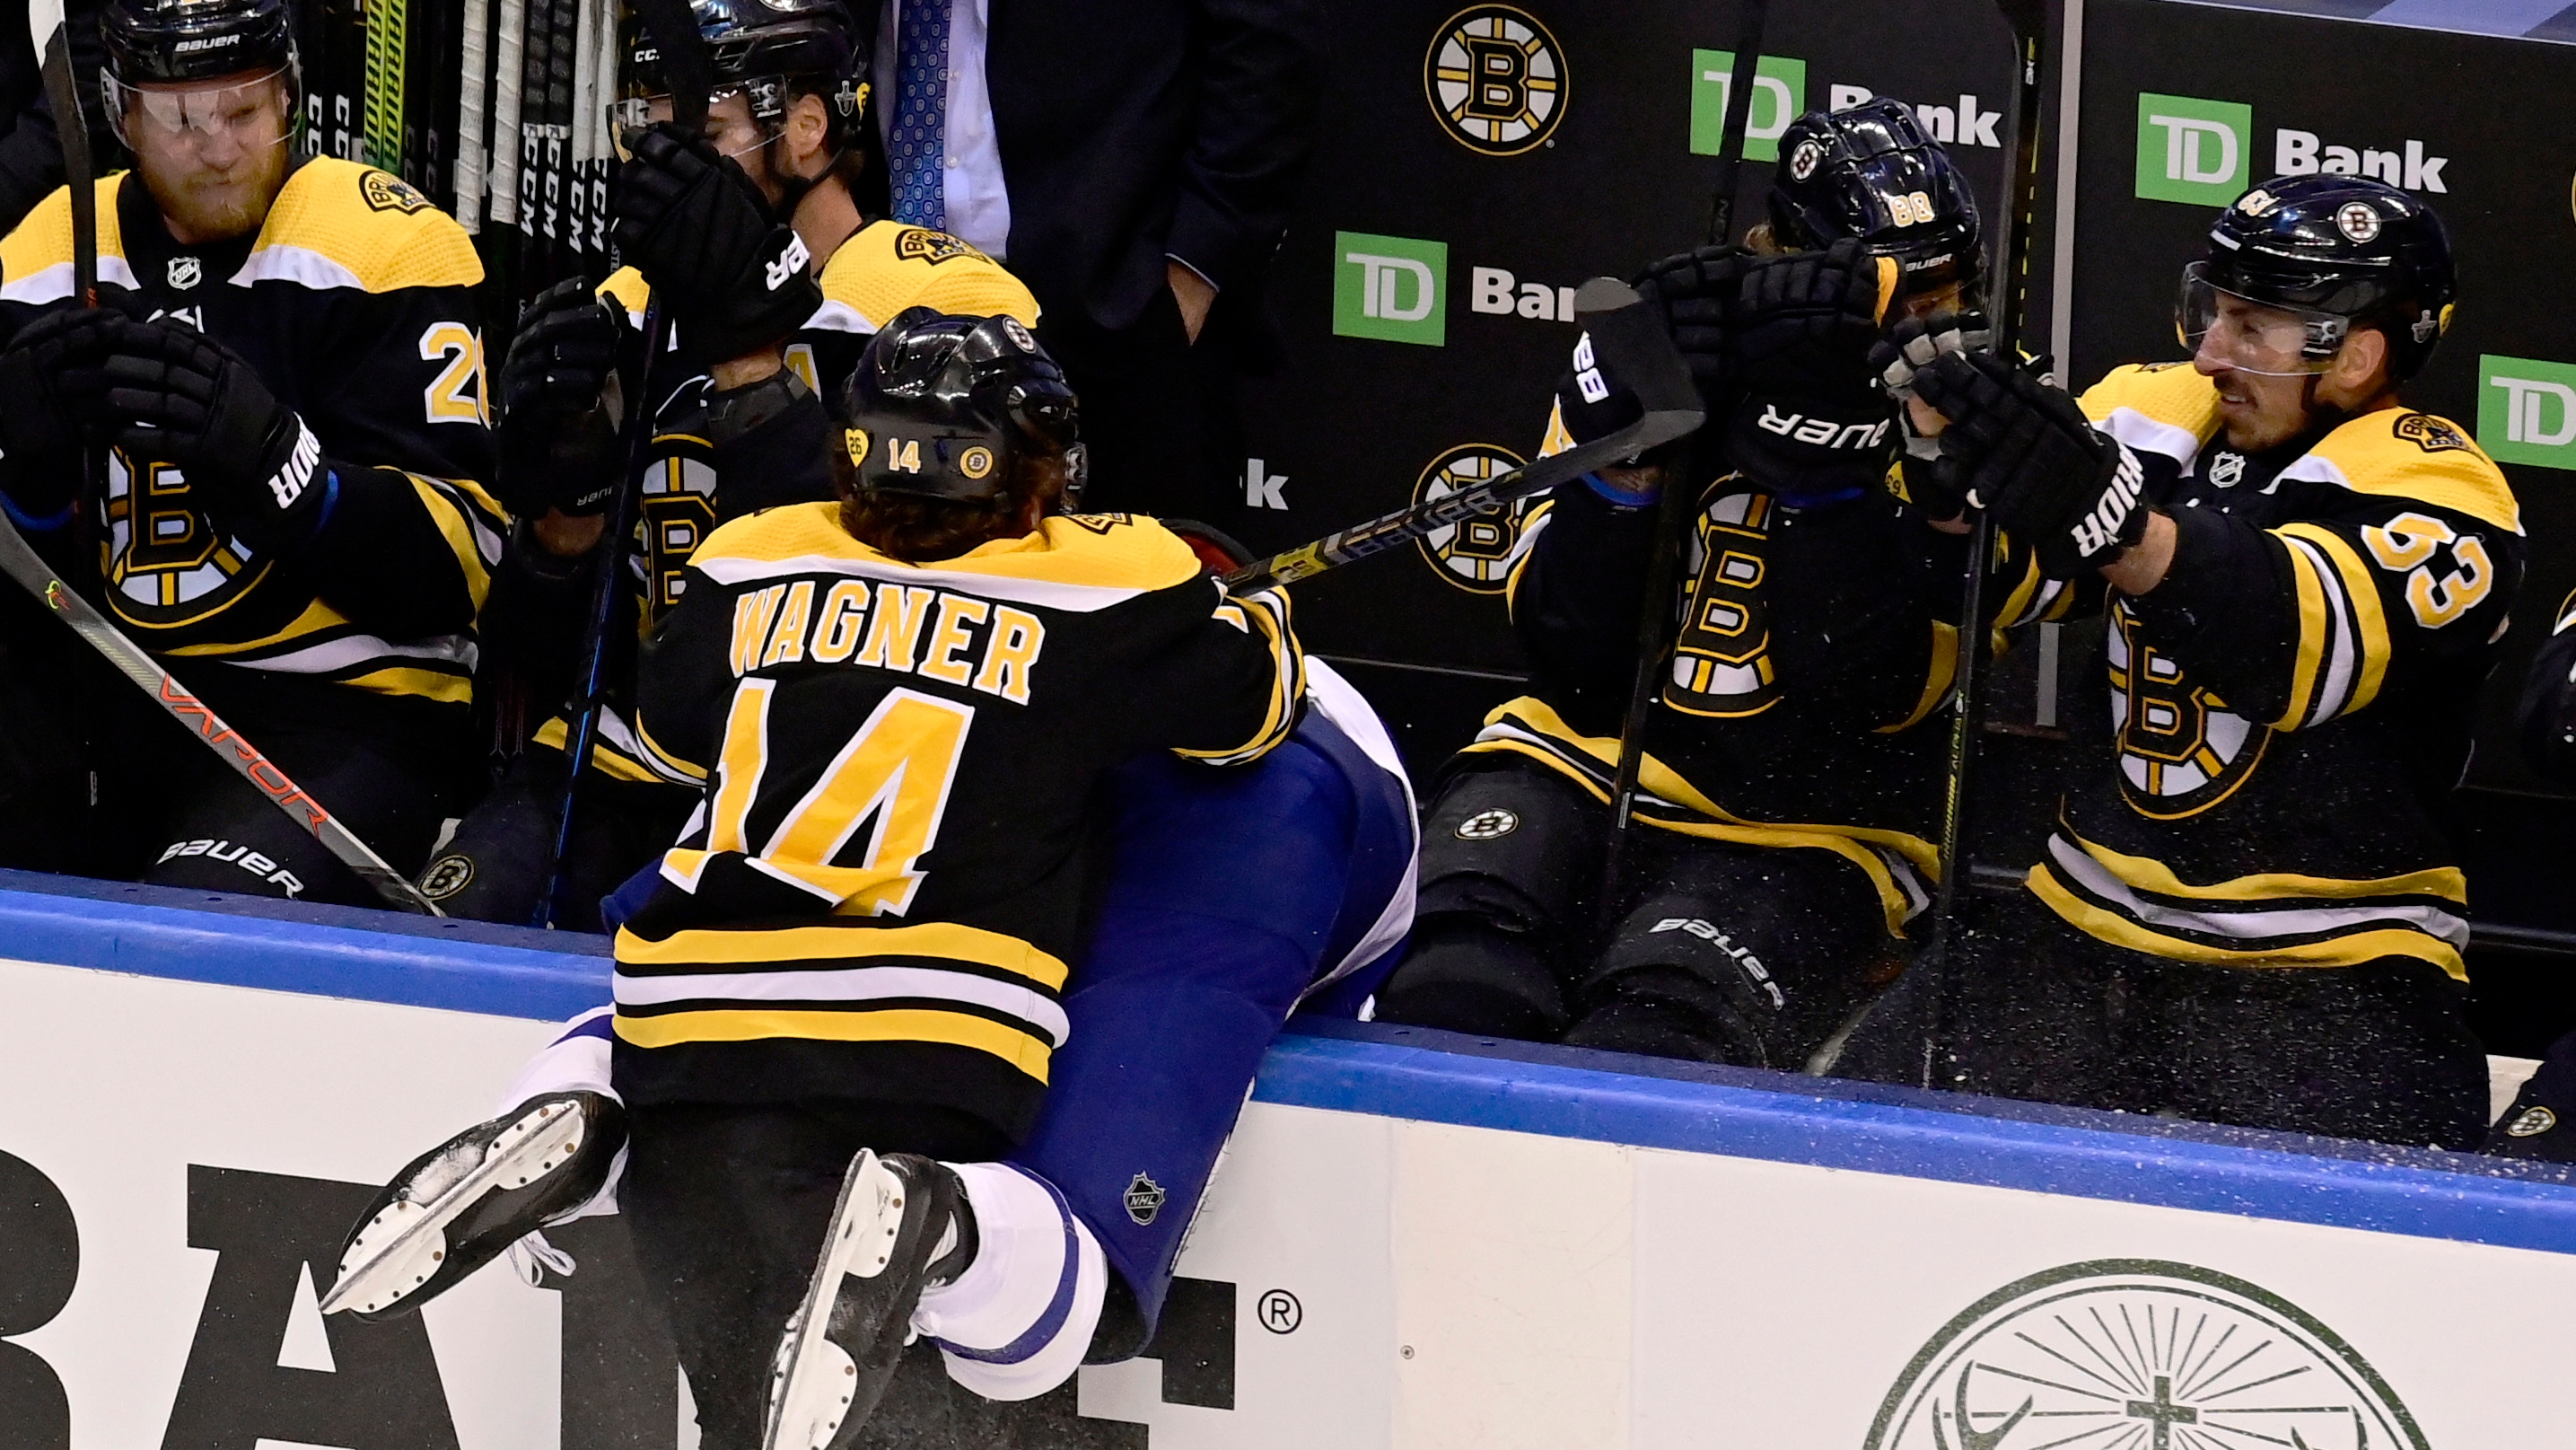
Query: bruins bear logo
[
  {"x": 2429, "y": 433},
  {"x": 385, "y": 192},
  {"x": 920, "y": 244}
]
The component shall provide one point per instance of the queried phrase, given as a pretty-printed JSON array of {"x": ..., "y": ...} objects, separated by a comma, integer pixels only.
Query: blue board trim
[{"x": 1363, "y": 1068}]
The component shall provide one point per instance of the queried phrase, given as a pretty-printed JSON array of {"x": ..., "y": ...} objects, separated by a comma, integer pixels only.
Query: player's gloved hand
[
  {"x": 1806, "y": 322},
  {"x": 1695, "y": 289},
  {"x": 40, "y": 436},
  {"x": 2026, "y": 452},
  {"x": 735, "y": 280},
  {"x": 168, "y": 392},
  {"x": 561, "y": 403},
  {"x": 1932, "y": 481}
]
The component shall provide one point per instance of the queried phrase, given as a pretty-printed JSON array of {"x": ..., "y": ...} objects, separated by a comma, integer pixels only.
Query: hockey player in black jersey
[
  {"x": 787, "y": 128},
  {"x": 285, "y": 372},
  {"x": 2247, "y": 912},
  {"x": 1791, "y": 783}
]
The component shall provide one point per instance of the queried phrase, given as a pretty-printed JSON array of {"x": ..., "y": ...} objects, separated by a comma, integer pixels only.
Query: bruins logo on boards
[
  {"x": 2172, "y": 1356},
  {"x": 920, "y": 244},
  {"x": 385, "y": 192},
  {"x": 1496, "y": 78},
  {"x": 2433, "y": 435},
  {"x": 1475, "y": 553}
]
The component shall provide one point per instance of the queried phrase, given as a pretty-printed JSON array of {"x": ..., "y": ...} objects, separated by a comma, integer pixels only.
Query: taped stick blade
[{"x": 1635, "y": 347}]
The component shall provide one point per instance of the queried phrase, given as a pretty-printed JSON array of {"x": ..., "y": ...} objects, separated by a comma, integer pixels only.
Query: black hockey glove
[
  {"x": 1910, "y": 346},
  {"x": 735, "y": 280},
  {"x": 561, "y": 403},
  {"x": 1805, "y": 323},
  {"x": 171, "y": 393},
  {"x": 2026, "y": 452},
  {"x": 1695, "y": 289},
  {"x": 54, "y": 357}
]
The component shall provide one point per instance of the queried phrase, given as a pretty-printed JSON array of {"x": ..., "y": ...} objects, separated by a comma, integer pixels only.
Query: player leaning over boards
[
  {"x": 290, "y": 518},
  {"x": 2247, "y": 913},
  {"x": 790, "y": 113},
  {"x": 1794, "y": 754}
]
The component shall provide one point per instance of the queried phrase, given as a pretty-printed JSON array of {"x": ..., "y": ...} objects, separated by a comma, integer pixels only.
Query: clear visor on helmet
[
  {"x": 2251, "y": 336},
  {"x": 247, "y": 114},
  {"x": 732, "y": 136}
]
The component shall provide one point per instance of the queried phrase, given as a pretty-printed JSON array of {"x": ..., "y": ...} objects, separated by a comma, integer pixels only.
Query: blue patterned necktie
[{"x": 916, "y": 149}]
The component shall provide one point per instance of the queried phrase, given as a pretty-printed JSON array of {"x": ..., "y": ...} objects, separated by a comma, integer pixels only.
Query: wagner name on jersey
[
  {"x": 881, "y": 884},
  {"x": 2283, "y": 712},
  {"x": 354, "y": 303},
  {"x": 871, "y": 278}
]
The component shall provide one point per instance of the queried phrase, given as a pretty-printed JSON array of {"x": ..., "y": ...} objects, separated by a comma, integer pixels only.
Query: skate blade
[
  {"x": 403, "y": 1245},
  {"x": 811, "y": 1384}
]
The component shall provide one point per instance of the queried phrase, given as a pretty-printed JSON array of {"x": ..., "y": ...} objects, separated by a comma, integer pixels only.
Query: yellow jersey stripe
[
  {"x": 2361, "y": 586},
  {"x": 1936, "y": 684},
  {"x": 2341, "y": 951},
  {"x": 902, "y": 1024},
  {"x": 828, "y": 943},
  {"x": 2145, "y": 874}
]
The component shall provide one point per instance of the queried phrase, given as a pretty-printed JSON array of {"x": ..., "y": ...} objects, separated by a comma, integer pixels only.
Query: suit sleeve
[
  {"x": 2313, "y": 620},
  {"x": 1260, "y": 87},
  {"x": 413, "y": 537},
  {"x": 1229, "y": 676}
]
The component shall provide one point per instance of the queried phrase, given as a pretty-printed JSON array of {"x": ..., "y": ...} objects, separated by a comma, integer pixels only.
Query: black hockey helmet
[
  {"x": 2333, "y": 251},
  {"x": 165, "y": 42},
  {"x": 948, "y": 407},
  {"x": 1871, "y": 172},
  {"x": 756, "y": 46}
]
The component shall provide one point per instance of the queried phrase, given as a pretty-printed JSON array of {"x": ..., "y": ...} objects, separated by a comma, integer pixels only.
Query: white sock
[{"x": 1015, "y": 1324}]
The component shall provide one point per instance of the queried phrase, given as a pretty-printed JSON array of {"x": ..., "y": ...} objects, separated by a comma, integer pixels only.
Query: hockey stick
[
  {"x": 1657, "y": 617},
  {"x": 509, "y": 56},
  {"x": 1633, "y": 345},
  {"x": 693, "y": 78},
  {"x": 2010, "y": 286},
  {"x": 469, "y": 115},
  {"x": 21, "y": 563}
]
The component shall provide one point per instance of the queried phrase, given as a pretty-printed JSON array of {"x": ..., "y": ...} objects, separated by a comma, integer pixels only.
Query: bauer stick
[
  {"x": 1657, "y": 618},
  {"x": 2010, "y": 285},
  {"x": 1633, "y": 346},
  {"x": 693, "y": 78}
]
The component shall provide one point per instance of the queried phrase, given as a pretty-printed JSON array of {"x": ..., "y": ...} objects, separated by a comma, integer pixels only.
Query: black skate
[
  {"x": 458, "y": 1206},
  {"x": 842, "y": 1344}
]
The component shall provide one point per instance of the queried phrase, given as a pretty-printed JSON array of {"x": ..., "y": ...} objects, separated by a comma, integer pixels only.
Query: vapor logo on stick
[
  {"x": 2193, "y": 151},
  {"x": 1496, "y": 79}
]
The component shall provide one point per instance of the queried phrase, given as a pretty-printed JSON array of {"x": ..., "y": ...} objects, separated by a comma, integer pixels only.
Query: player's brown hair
[{"x": 920, "y": 530}]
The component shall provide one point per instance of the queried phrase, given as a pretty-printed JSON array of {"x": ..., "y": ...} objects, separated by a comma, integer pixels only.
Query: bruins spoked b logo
[
  {"x": 2139, "y": 1354},
  {"x": 1476, "y": 552},
  {"x": 1496, "y": 78}
]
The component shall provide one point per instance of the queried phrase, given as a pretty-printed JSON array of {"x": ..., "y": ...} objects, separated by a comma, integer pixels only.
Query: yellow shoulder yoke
[
  {"x": 2168, "y": 393},
  {"x": 44, "y": 238},
  {"x": 338, "y": 223},
  {"x": 2405, "y": 454}
]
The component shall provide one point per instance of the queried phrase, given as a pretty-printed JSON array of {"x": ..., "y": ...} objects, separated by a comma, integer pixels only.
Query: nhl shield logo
[
  {"x": 1145, "y": 1198},
  {"x": 2140, "y": 1353},
  {"x": 2227, "y": 470},
  {"x": 1496, "y": 80},
  {"x": 185, "y": 272}
]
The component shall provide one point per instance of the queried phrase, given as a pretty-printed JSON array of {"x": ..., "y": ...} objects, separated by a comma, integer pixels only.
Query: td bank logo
[
  {"x": 2191, "y": 150},
  {"x": 1394, "y": 289},
  {"x": 1779, "y": 97},
  {"x": 2527, "y": 411}
]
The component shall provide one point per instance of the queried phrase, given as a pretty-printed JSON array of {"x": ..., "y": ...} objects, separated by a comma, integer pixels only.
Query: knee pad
[
  {"x": 1015, "y": 1324},
  {"x": 1466, "y": 975},
  {"x": 1516, "y": 845}
]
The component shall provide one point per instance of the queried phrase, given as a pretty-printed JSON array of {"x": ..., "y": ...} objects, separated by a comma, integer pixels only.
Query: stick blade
[
  {"x": 1634, "y": 347},
  {"x": 685, "y": 63},
  {"x": 44, "y": 17}
]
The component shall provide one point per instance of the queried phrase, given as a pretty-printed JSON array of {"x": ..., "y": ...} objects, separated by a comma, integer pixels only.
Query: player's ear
[
  {"x": 2360, "y": 365},
  {"x": 809, "y": 129}
]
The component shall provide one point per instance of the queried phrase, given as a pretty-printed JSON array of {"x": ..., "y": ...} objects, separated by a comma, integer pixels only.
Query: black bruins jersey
[
  {"x": 877, "y": 897},
  {"x": 354, "y": 302},
  {"x": 2283, "y": 712},
  {"x": 868, "y": 280},
  {"x": 1814, "y": 645}
]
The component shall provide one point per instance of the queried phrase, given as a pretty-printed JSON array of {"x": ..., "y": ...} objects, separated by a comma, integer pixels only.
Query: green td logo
[
  {"x": 2527, "y": 411},
  {"x": 1395, "y": 289},
  {"x": 2191, "y": 150},
  {"x": 1779, "y": 97}
]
